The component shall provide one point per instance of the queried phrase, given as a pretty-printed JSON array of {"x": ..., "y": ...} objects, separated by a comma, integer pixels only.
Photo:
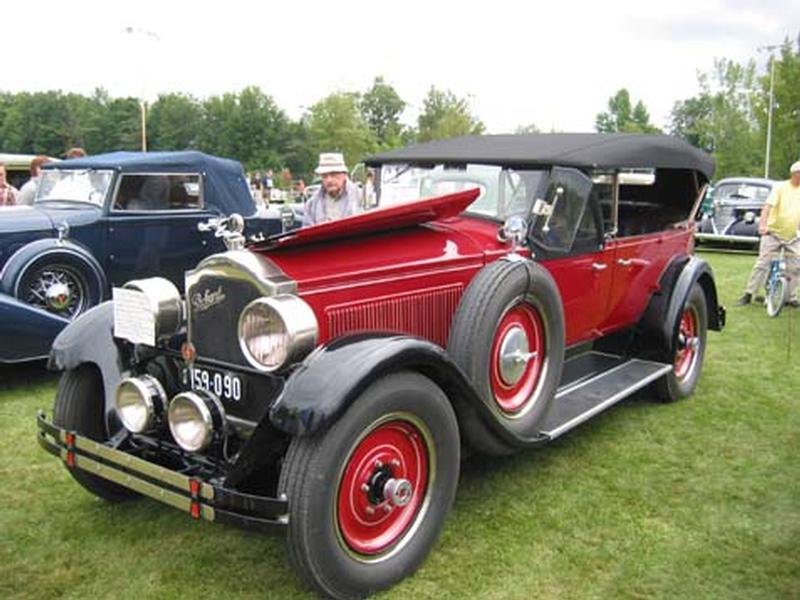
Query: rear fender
[
  {"x": 26, "y": 332},
  {"x": 333, "y": 376},
  {"x": 659, "y": 324}
]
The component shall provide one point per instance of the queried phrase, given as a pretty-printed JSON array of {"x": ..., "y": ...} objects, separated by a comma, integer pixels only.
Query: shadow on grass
[{"x": 25, "y": 374}]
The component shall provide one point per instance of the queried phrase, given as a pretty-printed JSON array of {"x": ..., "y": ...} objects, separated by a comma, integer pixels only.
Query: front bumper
[
  {"x": 726, "y": 239},
  {"x": 201, "y": 499}
]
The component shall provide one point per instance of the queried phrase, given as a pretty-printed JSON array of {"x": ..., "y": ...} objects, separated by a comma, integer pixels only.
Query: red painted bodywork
[{"x": 410, "y": 278}]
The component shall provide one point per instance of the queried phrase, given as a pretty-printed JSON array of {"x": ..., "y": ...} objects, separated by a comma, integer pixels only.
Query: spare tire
[{"x": 508, "y": 337}]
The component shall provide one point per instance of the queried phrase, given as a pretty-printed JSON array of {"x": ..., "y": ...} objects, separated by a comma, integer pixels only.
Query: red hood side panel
[{"x": 408, "y": 280}]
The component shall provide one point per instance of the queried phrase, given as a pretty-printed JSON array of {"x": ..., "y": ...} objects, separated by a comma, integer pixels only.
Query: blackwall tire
[
  {"x": 510, "y": 308},
  {"x": 401, "y": 434},
  {"x": 83, "y": 283},
  {"x": 690, "y": 348},
  {"x": 79, "y": 407}
]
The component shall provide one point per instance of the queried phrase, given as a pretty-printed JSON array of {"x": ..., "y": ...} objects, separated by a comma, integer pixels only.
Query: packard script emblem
[{"x": 204, "y": 301}]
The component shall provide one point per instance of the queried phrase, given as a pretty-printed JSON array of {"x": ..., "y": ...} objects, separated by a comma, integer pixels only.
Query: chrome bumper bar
[
  {"x": 201, "y": 499},
  {"x": 728, "y": 239}
]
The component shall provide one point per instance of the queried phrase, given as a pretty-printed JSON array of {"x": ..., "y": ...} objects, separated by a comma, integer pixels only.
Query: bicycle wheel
[{"x": 776, "y": 295}]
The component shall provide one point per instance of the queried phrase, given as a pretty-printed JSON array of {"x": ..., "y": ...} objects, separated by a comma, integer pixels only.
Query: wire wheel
[
  {"x": 776, "y": 296},
  {"x": 56, "y": 288}
]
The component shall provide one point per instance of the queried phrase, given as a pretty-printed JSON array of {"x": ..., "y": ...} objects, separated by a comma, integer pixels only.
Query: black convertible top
[{"x": 587, "y": 150}]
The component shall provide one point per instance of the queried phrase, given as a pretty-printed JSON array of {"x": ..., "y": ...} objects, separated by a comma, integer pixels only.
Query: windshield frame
[{"x": 101, "y": 194}]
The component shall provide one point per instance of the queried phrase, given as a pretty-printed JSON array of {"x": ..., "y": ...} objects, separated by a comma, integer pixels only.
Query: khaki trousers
[{"x": 769, "y": 247}]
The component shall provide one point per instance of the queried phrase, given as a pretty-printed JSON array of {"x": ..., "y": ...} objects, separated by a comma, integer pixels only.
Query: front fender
[
  {"x": 17, "y": 262},
  {"x": 333, "y": 376},
  {"x": 26, "y": 332},
  {"x": 90, "y": 339}
]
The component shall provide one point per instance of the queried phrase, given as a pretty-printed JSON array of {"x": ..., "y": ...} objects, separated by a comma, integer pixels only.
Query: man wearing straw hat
[{"x": 337, "y": 197}]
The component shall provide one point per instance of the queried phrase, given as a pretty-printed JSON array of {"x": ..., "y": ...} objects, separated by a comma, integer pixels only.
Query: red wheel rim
[
  {"x": 687, "y": 343},
  {"x": 513, "y": 396},
  {"x": 370, "y": 523}
]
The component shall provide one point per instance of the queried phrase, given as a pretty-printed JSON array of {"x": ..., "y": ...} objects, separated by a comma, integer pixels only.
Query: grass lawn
[{"x": 698, "y": 499}]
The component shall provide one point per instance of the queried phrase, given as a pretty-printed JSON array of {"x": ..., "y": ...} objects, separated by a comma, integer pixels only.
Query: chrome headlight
[
  {"x": 140, "y": 403},
  {"x": 165, "y": 304},
  {"x": 277, "y": 331},
  {"x": 749, "y": 216},
  {"x": 194, "y": 418}
]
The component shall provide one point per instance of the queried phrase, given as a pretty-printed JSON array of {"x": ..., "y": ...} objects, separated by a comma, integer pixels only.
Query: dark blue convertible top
[{"x": 223, "y": 178}]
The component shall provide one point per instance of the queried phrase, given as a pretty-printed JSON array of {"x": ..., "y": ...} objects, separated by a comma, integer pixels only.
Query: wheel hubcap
[
  {"x": 58, "y": 296},
  {"x": 383, "y": 485},
  {"x": 517, "y": 358},
  {"x": 688, "y": 344},
  {"x": 57, "y": 289}
]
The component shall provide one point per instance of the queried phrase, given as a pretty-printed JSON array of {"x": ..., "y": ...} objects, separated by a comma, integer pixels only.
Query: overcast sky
[{"x": 554, "y": 64}]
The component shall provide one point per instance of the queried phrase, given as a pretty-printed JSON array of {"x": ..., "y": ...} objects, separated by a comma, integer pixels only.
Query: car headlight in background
[
  {"x": 749, "y": 216},
  {"x": 140, "y": 403},
  {"x": 194, "y": 418},
  {"x": 277, "y": 331}
]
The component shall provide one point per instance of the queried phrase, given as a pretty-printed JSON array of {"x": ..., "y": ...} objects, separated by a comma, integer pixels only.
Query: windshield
[
  {"x": 741, "y": 191},
  {"x": 503, "y": 192},
  {"x": 88, "y": 185}
]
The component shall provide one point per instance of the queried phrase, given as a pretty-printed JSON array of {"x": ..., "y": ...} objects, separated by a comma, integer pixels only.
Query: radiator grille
[{"x": 425, "y": 313}]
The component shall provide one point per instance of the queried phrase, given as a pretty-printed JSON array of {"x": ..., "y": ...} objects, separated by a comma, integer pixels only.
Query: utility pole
[
  {"x": 770, "y": 49},
  {"x": 151, "y": 35}
]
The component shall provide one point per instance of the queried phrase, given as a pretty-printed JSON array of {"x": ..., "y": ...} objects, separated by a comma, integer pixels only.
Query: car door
[
  {"x": 567, "y": 227},
  {"x": 152, "y": 227}
]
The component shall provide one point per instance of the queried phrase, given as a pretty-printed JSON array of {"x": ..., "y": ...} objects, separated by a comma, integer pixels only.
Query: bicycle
[{"x": 777, "y": 282}]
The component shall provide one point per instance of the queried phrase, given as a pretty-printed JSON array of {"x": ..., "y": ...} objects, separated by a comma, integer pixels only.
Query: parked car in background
[
  {"x": 18, "y": 168},
  {"x": 323, "y": 383},
  {"x": 98, "y": 222},
  {"x": 735, "y": 206}
]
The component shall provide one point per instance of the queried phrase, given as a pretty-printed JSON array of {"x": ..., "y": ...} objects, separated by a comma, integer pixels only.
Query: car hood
[{"x": 45, "y": 217}]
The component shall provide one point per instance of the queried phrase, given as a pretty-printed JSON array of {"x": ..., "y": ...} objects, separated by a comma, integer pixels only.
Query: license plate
[{"x": 223, "y": 384}]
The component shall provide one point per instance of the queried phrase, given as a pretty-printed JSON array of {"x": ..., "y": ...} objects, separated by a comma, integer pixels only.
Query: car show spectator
[
  {"x": 779, "y": 226},
  {"x": 27, "y": 193},
  {"x": 337, "y": 197},
  {"x": 76, "y": 152},
  {"x": 8, "y": 193}
]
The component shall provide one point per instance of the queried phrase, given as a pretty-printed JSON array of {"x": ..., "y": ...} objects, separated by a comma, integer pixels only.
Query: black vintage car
[
  {"x": 98, "y": 222},
  {"x": 731, "y": 218}
]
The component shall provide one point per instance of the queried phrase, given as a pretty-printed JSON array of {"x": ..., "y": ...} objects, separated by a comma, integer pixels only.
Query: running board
[{"x": 584, "y": 397}]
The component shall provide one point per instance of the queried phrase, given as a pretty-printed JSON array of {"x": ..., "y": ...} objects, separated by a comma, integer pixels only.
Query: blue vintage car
[{"x": 103, "y": 220}]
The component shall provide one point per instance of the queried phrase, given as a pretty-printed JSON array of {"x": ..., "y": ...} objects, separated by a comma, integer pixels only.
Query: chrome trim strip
[
  {"x": 583, "y": 381},
  {"x": 621, "y": 395},
  {"x": 132, "y": 482},
  {"x": 718, "y": 237},
  {"x": 176, "y": 480}
]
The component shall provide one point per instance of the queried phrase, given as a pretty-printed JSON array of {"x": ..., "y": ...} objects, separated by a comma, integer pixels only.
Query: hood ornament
[{"x": 514, "y": 230}]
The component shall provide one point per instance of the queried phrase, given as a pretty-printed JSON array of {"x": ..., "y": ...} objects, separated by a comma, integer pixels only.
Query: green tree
[
  {"x": 624, "y": 117},
  {"x": 785, "y": 146},
  {"x": 445, "y": 115},
  {"x": 722, "y": 119},
  {"x": 336, "y": 124},
  {"x": 174, "y": 122},
  {"x": 381, "y": 107}
]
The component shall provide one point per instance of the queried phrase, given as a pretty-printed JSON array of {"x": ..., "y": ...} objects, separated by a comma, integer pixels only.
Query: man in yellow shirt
[{"x": 779, "y": 225}]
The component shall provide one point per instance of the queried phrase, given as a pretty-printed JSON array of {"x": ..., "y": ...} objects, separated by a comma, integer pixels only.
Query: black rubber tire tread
[
  {"x": 309, "y": 481},
  {"x": 470, "y": 344},
  {"x": 669, "y": 388},
  {"x": 79, "y": 407}
]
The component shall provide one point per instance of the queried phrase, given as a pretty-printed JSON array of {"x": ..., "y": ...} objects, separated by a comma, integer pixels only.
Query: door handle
[
  {"x": 624, "y": 262},
  {"x": 599, "y": 266}
]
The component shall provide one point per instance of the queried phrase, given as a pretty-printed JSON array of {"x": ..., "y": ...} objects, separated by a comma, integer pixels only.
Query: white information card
[{"x": 133, "y": 317}]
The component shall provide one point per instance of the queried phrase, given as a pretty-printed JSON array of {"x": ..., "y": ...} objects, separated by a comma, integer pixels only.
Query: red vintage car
[{"x": 326, "y": 382}]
